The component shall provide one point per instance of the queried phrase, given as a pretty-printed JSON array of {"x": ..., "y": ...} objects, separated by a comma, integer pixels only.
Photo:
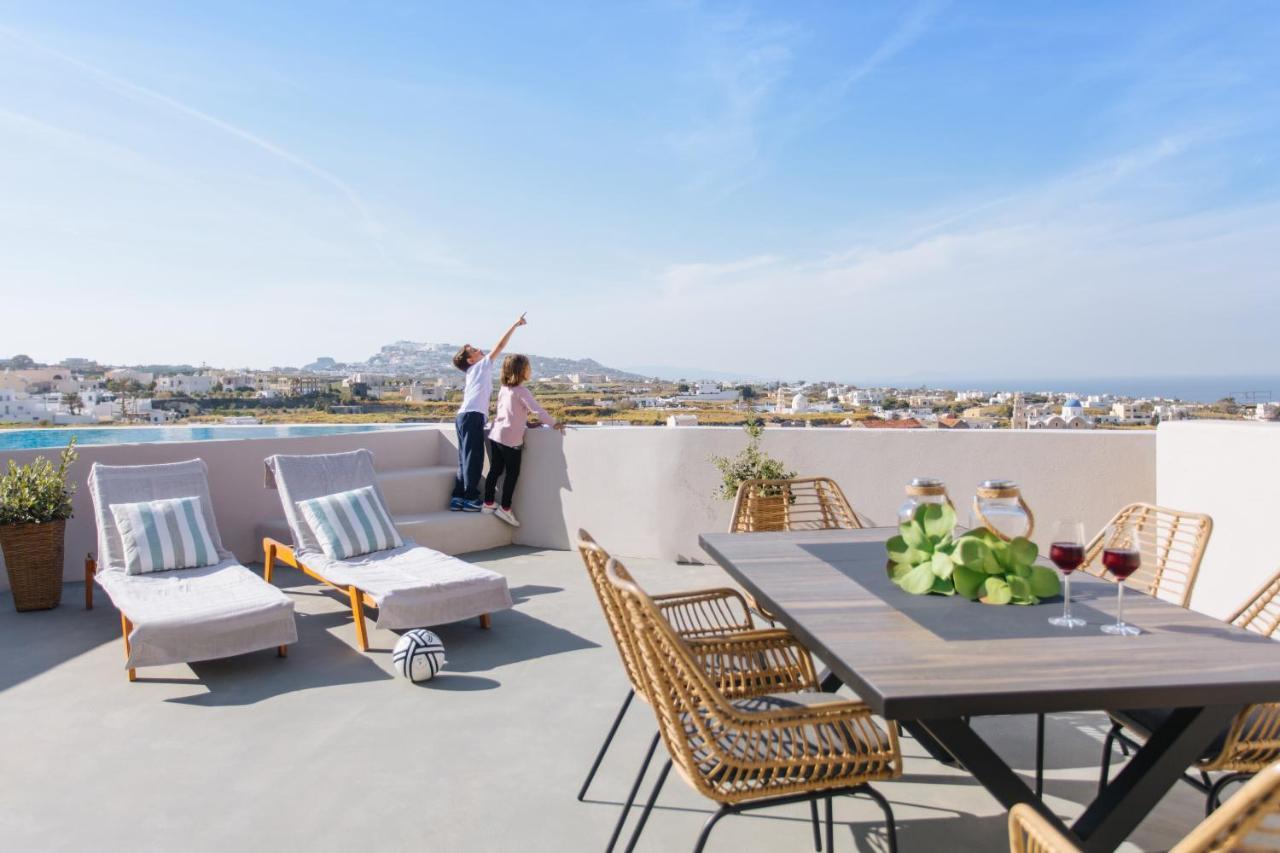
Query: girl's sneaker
[
  {"x": 490, "y": 507},
  {"x": 507, "y": 515}
]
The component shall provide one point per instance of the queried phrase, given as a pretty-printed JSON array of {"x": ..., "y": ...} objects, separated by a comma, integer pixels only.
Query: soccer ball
[{"x": 418, "y": 655}]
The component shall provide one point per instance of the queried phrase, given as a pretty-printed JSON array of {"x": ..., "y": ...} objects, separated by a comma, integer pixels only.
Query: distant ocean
[{"x": 1199, "y": 389}]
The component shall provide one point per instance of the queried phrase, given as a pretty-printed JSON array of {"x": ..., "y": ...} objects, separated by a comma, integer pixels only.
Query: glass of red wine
[
  {"x": 1066, "y": 550},
  {"x": 1121, "y": 556}
]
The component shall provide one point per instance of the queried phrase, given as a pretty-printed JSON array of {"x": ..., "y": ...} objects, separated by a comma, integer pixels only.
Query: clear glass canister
[
  {"x": 923, "y": 490},
  {"x": 999, "y": 507}
]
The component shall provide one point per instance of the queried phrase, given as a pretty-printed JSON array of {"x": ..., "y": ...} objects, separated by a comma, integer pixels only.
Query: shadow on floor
[
  {"x": 38, "y": 640},
  {"x": 318, "y": 659},
  {"x": 515, "y": 637}
]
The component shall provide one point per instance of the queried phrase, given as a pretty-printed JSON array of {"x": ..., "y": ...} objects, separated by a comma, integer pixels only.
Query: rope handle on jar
[
  {"x": 931, "y": 491},
  {"x": 1002, "y": 493}
]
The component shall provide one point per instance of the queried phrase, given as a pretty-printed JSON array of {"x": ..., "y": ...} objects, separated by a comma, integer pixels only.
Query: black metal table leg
[
  {"x": 1121, "y": 805},
  {"x": 1150, "y": 773}
]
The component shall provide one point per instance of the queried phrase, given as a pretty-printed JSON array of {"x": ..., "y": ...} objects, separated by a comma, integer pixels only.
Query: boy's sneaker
[
  {"x": 507, "y": 515},
  {"x": 455, "y": 504},
  {"x": 472, "y": 506}
]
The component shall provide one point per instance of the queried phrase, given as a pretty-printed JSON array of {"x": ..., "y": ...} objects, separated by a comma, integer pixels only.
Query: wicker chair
[
  {"x": 754, "y": 752},
  {"x": 1249, "y": 821},
  {"x": 810, "y": 503},
  {"x": 757, "y": 662},
  {"x": 1250, "y": 743},
  {"x": 1172, "y": 544}
]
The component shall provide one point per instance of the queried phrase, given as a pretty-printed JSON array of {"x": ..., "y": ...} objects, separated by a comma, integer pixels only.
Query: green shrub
[
  {"x": 37, "y": 493},
  {"x": 750, "y": 464}
]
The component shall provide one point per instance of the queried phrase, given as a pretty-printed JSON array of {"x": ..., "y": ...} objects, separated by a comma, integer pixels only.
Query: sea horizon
[{"x": 1192, "y": 389}]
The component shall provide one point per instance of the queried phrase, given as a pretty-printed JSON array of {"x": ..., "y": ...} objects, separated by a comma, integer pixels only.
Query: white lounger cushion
[
  {"x": 414, "y": 586},
  {"x": 189, "y": 615},
  {"x": 186, "y": 614}
]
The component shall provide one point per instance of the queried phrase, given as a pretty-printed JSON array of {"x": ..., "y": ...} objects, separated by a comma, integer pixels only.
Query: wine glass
[
  {"x": 1121, "y": 557},
  {"x": 1066, "y": 550}
]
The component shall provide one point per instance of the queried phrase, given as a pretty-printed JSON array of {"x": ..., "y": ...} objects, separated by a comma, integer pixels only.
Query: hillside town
[{"x": 413, "y": 382}]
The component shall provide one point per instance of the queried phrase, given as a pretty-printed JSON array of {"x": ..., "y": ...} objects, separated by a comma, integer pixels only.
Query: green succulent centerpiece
[{"x": 925, "y": 558}]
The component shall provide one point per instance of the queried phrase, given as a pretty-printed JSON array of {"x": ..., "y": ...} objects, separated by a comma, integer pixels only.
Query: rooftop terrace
[{"x": 327, "y": 749}]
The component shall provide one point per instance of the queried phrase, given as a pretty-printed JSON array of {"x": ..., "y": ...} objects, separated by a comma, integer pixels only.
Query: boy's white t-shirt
[{"x": 478, "y": 388}]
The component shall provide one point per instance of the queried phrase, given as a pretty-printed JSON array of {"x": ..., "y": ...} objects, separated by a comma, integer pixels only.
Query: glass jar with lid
[
  {"x": 923, "y": 490},
  {"x": 999, "y": 507}
]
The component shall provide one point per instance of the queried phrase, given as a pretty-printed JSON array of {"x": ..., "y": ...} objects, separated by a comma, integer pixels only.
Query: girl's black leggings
[{"x": 502, "y": 460}]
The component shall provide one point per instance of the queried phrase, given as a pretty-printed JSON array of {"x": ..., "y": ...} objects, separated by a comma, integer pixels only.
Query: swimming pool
[{"x": 31, "y": 439}]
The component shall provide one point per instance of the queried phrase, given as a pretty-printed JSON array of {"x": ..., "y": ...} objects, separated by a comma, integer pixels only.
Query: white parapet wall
[
  {"x": 1230, "y": 470},
  {"x": 241, "y": 501},
  {"x": 650, "y": 492}
]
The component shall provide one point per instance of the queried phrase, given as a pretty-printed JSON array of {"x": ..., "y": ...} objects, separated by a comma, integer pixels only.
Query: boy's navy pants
[{"x": 470, "y": 427}]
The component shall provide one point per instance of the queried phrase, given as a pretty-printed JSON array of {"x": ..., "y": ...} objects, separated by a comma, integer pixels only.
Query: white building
[
  {"x": 126, "y": 374},
  {"x": 419, "y": 393},
  {"x": 1071, "y": 416},
  {"x": 799, "y": 404},
  {"x": 185, "y": 383},
  {"x": 864, "y": 397},
  {"x": 682, "y": 420},
  {"x": 1267, "y": 412}
]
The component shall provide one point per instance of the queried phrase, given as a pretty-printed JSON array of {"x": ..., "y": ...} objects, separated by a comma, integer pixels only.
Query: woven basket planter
[{"x": 33, "y": 559}]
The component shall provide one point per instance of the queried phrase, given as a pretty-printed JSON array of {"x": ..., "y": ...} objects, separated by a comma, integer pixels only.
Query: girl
[{"x": 506, "y": 435}]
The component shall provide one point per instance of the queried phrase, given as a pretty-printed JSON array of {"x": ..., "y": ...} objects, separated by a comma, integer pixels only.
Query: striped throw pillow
[
  {"x": 163, "y": 535},
  {"x": 352, "y": 523}
]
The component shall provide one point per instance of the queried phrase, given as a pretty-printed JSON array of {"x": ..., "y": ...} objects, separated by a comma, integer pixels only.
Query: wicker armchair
[
  {"x": 752, "y": 752},
  {"x": 756, "y": 662},
  {"x": 1249, "y": 821},
  {"x": 1172, "y": 543},
  {"x": 810, "y": 503},
  {"x": 1250, "y": 743}
]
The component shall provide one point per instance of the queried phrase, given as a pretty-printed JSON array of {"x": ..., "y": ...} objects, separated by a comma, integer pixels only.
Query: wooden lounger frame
[
  {"x": 91, "y": 569},
  {"x": 274, "y": 551}
]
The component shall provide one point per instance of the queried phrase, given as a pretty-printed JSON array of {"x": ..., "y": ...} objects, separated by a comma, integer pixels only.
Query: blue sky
[{"x": 793, "y": 189}]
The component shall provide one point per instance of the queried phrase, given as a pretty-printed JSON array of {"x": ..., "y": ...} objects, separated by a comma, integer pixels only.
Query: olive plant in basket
[
  {"x": 35, "y": 503},
  {"x": 751, "y": 463},
  {"x": 925, "y": 558}
]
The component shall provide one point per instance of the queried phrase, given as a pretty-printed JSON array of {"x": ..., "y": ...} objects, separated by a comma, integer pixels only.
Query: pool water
[{"x": 30, "y": 439}]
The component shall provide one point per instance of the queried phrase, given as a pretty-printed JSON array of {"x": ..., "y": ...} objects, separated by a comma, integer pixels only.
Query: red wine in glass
[
  {"x": 1121, "y": 562},
  {"x": 1067, "y": 556},
  {"x": 1067, "y": 553},
  {"x": 1122, "y": 558}
]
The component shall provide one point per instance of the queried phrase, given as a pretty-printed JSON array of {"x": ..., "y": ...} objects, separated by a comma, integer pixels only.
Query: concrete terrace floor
[{"x": 326, "y": 750}]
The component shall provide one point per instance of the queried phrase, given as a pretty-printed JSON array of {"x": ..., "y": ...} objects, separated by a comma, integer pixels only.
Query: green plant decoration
[
  {"x": 750, "y": 464},
  {"x": 924, "y": 558},
  {"x": 37, "y": 493}
]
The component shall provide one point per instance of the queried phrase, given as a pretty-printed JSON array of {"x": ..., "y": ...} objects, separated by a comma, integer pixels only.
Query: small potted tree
[
  {"x": 35, "y": 503},
  {"x": 752, "y": 463}
]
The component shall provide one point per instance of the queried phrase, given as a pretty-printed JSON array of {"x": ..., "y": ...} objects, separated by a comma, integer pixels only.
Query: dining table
[{"x": 933, "y": 662}]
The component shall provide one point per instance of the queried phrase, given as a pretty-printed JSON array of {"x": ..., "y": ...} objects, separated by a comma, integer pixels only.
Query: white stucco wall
[
  {"x": 649, "y": 492},
  {"x": 1230, "y": 470},
  {"x": 240, "y": 500}
]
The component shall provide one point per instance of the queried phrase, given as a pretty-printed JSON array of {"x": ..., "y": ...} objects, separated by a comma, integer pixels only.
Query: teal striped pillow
[
  {"x": 352, "y": 523},
  {"x": 163, "y": 535}
]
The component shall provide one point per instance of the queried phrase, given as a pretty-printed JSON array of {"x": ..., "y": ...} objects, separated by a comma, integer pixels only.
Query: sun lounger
[
  {"x": 411, "y": 586},
  {"x": 180, "y": 615}
]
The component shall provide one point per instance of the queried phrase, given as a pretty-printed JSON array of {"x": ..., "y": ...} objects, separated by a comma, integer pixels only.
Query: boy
[{"x": 471, "y": 418}]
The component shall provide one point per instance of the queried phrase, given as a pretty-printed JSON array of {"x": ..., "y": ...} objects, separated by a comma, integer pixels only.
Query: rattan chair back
[
  {"x": 732, "y": 754},
  {"x": 1172, "y": 543},
  {"x": 1250, "y": 820},
  {"x": 596, "y": 558},
  {"x": 1253, "y": 741},
  {"x": 808, "y": 503}
]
